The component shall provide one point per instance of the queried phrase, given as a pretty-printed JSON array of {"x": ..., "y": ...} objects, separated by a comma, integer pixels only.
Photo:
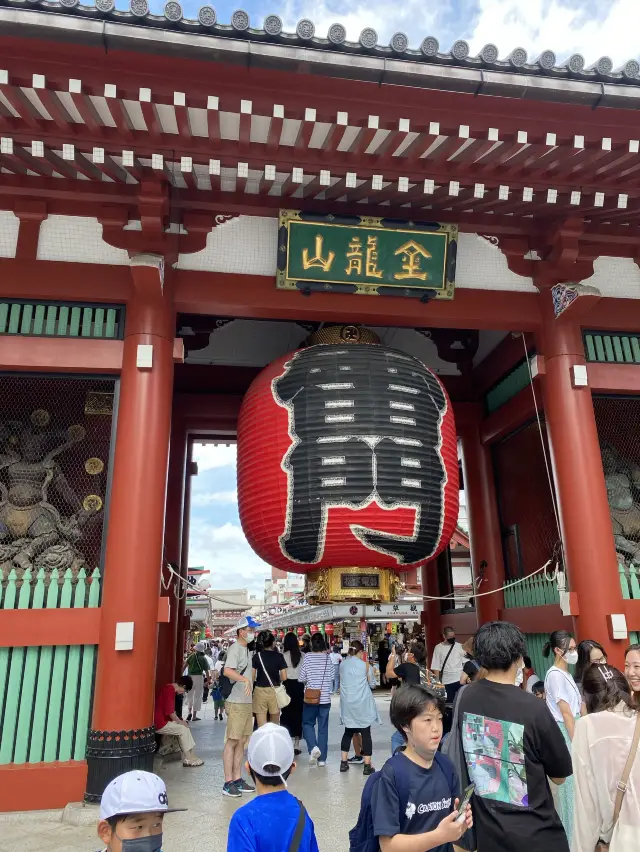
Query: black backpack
[{"x": 226, "y": 685}]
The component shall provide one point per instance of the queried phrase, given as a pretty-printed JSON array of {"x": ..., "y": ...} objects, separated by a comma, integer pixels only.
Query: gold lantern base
[{"x": 352, "y": 584}]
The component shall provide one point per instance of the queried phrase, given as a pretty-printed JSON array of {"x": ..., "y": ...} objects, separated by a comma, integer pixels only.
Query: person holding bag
[
  {"x": 269, "y": 669},
  {"x": 316, "y": 672},
  {"x": 606, "y": 766}
]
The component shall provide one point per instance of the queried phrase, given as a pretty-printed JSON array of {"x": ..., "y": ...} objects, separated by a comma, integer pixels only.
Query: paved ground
[{"x": 332, "y": 799}]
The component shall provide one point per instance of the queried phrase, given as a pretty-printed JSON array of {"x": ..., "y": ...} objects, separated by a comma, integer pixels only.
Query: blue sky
[
  {"x": 216, "y": 540},
  {"x": 594, "y": 28}
]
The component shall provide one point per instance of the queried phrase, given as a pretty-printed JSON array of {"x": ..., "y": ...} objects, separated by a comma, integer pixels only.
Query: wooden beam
[
  {"x": 52, "y": 355},
  {"x": 509, "y": 417},
  {"x": 614, "y": 378},
  {"x": 219, "y": 294}
]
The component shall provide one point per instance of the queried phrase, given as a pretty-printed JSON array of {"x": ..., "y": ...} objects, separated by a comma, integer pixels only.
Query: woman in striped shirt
[{"x": 316, "y": 672}]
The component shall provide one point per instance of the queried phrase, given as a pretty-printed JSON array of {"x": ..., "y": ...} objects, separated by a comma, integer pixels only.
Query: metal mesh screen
[
  {"x": 618, "y": 423},
  {"x": 55, "y": 436},
  {"x": 529, "y": 530}
]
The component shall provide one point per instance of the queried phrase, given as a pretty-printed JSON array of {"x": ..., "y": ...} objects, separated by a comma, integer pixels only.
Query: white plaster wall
[
  {"x": 77, "y": 239},
  {"x": 616, "y": 277},
  {"x": 247, "y": 245},
  {"x": 9, "y": 227},
  {"x": 482, "y": 266}
]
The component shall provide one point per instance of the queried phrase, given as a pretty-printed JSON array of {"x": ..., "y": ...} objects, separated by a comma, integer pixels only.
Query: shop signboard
[{"x": 366, "y": 255}]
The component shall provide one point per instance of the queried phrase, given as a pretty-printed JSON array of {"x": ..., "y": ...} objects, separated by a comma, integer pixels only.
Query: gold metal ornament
[
  {"x": 92, "y": 503},
  {"x": 342, "y": 334},
  {"x": 98, "y": 403},
  {"x": 76, "y": 432},
  {"x": 94, "y": 466},
  {"x": 40, "y": 417},
  {"x": 352, "y": 584}
]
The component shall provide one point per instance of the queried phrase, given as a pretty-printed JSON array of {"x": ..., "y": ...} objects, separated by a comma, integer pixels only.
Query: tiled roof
[{"x": 576, "y": 67}]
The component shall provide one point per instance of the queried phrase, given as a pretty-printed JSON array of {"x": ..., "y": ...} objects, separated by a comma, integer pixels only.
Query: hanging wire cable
[{"x": 545, "y": 454}]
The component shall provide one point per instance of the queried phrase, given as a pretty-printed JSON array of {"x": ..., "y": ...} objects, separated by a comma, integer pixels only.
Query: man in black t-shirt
[
  {"x": 408, "y": 672},
  {"x": 511, "y": 745}
]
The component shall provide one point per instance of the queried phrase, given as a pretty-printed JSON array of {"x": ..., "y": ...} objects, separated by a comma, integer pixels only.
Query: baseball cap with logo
[
  {"x": 247, "y": 621},
  {"x": 135, "y": 792},
  {"x": 271, "y": 746}
]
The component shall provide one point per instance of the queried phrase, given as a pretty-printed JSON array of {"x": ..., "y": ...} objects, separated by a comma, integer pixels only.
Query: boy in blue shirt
[{"x": 270, "y": 822}]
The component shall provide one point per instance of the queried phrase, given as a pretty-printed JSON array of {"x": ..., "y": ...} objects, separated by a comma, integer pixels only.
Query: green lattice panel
[
  {"x": 507, "y": 388},
  {"x": 51, "y": 319},
  {"x": 48, "y": 703},
  {"x": 606, "y": 348}
]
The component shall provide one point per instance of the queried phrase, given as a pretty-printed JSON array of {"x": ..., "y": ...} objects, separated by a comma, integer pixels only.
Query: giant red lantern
[{"x": 347, "y": 463}]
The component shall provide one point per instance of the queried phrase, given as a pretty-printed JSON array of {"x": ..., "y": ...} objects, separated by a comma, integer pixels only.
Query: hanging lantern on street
[
  {"x": 329, "y": 629},
  {"x": 314, "y": 629},
  {"x": 347, "y": 465},
  {"x": 300, "y": 631}
]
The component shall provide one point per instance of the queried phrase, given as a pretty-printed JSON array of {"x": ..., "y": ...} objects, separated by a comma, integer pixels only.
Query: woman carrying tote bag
[
  {"x": 606, "y": 765},
  {"x": 269, "y": 672}
]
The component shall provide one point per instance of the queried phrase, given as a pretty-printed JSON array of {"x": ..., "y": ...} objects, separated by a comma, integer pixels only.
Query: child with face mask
[{"x": 132, "y": 811}]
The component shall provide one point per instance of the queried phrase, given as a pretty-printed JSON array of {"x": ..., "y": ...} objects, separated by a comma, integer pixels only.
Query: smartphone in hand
[{"x": 468, "y": 793}]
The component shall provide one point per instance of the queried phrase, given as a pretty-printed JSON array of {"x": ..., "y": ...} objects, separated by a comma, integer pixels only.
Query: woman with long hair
[
  {"x": 358, "y": 709},
  {"x": 565, "y": 702},
  {"x": 602, "y": 745},
  {"x": 632, "y": 671},
  {"x": 590, "y": 653},
  {"x": 269, "y": 671},
  {"x": 291, "y": 716}
]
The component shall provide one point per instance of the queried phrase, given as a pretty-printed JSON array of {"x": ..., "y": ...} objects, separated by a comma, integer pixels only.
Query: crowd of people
[{"x": 548, "y": 765}]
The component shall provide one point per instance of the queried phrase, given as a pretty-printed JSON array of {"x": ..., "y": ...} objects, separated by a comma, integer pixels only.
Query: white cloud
[
  {"x": 594, "y": 28},
  {"x": 226, "y": 553},
  {"x": 558, "y": 25},
  {"x": 207, "y": 498},
  {"x": 210, "y": 456}
]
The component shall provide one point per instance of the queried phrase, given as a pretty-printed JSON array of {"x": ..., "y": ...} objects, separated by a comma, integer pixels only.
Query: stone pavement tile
[{"x": 332, "y": 798}]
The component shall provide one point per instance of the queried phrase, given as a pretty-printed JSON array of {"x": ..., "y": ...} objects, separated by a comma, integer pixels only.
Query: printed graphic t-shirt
[
  {"x": 511, "y": 744},
  {"x": 274, "y": 663},
  {"x": 430, "y": 801}
]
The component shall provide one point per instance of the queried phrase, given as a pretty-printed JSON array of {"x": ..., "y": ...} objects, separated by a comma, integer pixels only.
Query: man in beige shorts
[{"x": 239, "y": 708}]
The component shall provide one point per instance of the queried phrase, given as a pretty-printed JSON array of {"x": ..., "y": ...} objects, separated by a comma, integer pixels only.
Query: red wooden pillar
[
  {"x": 122, "y": 734},
  {"x": 168, "y": 633},
  {"x": 431, "y": 613},
  {"x": 182, "y": 618},
  {"x": 484, "y": 524},
  {"x": 589, "y": 550}
]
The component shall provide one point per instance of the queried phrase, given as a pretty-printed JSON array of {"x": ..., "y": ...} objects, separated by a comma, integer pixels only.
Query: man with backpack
[
  {"x": 236, "y": 684},
  {"x": 411, "y": 804}
]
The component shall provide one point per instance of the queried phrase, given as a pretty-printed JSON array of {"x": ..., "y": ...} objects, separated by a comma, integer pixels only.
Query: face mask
[
  {"x": 451, "y": 640},
  {"x": 142, "y": 844},
  {"x": 250, "y": 637},
  {"x": 571, "y": 657},
  {"x": 520, "y": 676}
]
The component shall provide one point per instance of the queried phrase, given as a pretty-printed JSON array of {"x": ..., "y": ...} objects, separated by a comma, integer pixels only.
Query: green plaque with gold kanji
[{"x": 363, "y": 254}]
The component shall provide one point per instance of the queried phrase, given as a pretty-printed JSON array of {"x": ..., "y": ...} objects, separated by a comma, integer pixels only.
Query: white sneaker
[
  {"x": 313, "y": 757},
  {"x": 322, "y": 763}
]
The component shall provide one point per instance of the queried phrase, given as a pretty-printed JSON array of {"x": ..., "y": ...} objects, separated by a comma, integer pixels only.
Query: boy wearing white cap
[
  {"x": 275, "y": 821},
  {"x": 131, "y": 813}
]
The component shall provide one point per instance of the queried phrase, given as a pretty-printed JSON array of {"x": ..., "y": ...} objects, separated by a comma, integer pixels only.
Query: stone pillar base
[{"x": 110, "y": 753}]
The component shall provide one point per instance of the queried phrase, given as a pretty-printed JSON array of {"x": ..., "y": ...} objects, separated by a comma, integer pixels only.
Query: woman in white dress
[
  {"x": 602, "y": 743},
  {"x": 564, "y": 701}
]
